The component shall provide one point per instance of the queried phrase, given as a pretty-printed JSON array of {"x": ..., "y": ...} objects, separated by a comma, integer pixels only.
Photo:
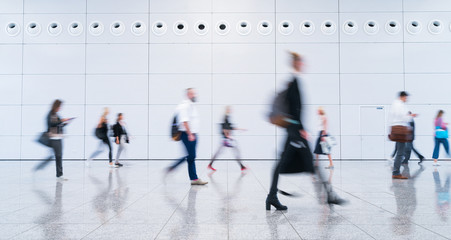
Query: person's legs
[
  {"x": 99, "y": 150},
  {"x": 238, "y": 154},
  {"x": 110, "y": 149},
  {"x": 400, "y": 151},
  {"x": 184, "y": 140},
  {"x": 58, "y": 149},
  {"x": 331, "y": 163},
  {"x": 215, "y": 156},
  {"x": 191, "y": 158},
  {"x": 421, "y": 157},
  {"x": 394, "y": 153},
  {"x": 407, "y": 153},
  {"x": 446, "y": 145},
  {"x": 435, "y": 155}
]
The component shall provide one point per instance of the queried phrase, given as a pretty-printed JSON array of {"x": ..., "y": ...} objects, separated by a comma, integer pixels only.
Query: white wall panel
[
  {"x": 10, "y": 89},
  {"x": 126, "y": 21},
  {"x": 316, "y": 19},
  {"x": 54, "y": 59},
  {"x": 10, "y": 147},
  {"x": 11, "y": 6},
  {"x": 425, "y": 19},
  {"x": 370, "y": 88},
  {"x": 351, "y": 147},
  {"x": 243, "y": 58},
  {"x": 181, "y": 58},
  {"x": 63, "y": 20},
  {"x": 318, "y": 58},
  {"x": 434, "y": 92},
  {"x": 116, "y": 58},
  {"x": 73, "y": 147},
  {"x": 171, "y": 88},
  {"x": 371, "y": 6},
  {"x": 311, "y": 121},
  {"x": 427, "y": 5},
  {"x": 135, "y": 116},
  {"x": 54, "y": 6},
  {"x": 116, "y": 89},
  {"x": 13, "y": 37},
  {"x": 11, "y": 59},
  {"x": 118, "y": 6},
  {"x": 427, "y": 57},
  {"x": 11, "y": 120},
  {"x": 190, "y": 23},
  {"x": 252, "y": 147},
  {"x": 306, "y": 6},
  {"x": 180, "y": 6},
  {"x": 235, "y": 88},
  {"x": 136, "y": 149},
  {"x": 161, "y": 117},
  {"x": 243, "y": 6},
  {"x": 371, "y": 58},
  {"x": 362, "y": 35},
  {"x": 44, "y": 89},
  {"x": 234, "y": 36},
  {"x": 31, "y": 149},
  {"x": 373, "y": 147}
]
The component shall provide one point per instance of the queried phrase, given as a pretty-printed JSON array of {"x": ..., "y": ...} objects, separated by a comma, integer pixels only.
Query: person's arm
[
  {"x": 191, "y": 136},
  {"x": 325, "y": 125}
]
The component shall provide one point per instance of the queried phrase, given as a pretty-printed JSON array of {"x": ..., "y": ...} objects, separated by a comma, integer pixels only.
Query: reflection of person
[
  {"x": 410, "y": 146},
  {"x": 399, "y": 116},
  {"x": 439, "y": 126},
  {"x": 227, "y": 140},
  {"x": 442, "y": 194},
  {"x": 322, "y": 133},
  {"x": 189, "y": 127},
  {"x": 102, "y": 134},
  {"x": 405, "y": 190},
  {"x": 55, "y": 131},
  {"x": 53, "y": 214},
  {"x": 296, "y": 156},
  {"x": 121, "y": 137}
]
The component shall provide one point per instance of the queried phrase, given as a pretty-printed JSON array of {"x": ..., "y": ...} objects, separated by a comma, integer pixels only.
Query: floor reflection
[
  {"x": 53, "y": 213},
  {"x": 442, "y": 195}
]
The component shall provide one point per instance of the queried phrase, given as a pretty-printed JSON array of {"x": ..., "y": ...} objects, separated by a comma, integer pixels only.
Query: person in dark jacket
[
  {"x": 55, "y": 132},
  {"x": 120, "y": 137},
  {"x": 410, "y": 146},
  {"x": 297, "y": 156}
]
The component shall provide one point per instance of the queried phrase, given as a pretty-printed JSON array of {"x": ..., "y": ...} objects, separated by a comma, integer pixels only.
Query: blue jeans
[
  {"x": 190, "y": 158},
  {"x": 444, "y": 141},
  {"x": 400, "y": 157}
]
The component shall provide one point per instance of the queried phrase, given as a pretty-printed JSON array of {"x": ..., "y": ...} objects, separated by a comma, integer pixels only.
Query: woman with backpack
[{"x": 101, "y": 133}]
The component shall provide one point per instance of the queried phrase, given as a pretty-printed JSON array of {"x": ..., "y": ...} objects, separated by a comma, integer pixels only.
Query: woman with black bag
[
  {"x": 101, "y": 133},
  {"x": 296, "y": 157}
]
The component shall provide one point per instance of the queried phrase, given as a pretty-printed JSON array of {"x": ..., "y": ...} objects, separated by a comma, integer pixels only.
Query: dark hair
[
  {"x": 440, "y": 113},
  {"x": 403, "y": 94},
  {"x": 56, "y": 104},
  {"x": 119, "y": 115}
]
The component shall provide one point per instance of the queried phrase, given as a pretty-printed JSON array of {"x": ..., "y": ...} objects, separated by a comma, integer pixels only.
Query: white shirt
[
  {"x": 187, "y": 112},
  {"x": 399, "y": 114}
]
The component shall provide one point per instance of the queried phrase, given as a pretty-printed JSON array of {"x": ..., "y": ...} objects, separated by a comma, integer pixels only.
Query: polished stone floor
[{"x": 136, "y": 202}]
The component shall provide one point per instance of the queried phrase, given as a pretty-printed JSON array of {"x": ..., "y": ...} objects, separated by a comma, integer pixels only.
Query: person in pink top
[{"x": 441, "y": 136}]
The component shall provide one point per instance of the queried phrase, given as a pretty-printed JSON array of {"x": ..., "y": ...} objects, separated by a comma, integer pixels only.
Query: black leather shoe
[
  {"x": 333, "y": 199},
  {"x": 274, "y": 201},
  {"x": 421, "y": 161}
]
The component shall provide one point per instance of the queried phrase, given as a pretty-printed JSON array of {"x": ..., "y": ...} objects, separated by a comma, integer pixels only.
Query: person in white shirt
[
  {"x": 400, "y": 116},
  {"x": 188, "y": 119}
]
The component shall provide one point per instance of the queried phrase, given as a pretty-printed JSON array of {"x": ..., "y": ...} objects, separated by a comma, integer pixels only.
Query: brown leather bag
[{"x": 400, "y": 134}]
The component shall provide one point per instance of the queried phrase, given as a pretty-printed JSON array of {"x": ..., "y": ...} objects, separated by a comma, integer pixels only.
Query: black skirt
[{"x": 318, "y": 148}]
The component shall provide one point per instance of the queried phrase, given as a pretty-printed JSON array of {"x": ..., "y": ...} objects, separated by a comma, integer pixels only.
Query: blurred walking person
[
  {"x": 296, "y": 157},
  {"x": 323, "y": 133},
  {"x": 401, "y": 132},
  {"x": 227, "y": 140},
  {"x": 101, "y": 133},
  {"x": 120, "y": 137},
  {"x": 440, "y": 136},
  {"x": 53, "y": 138},
  {"x": 188, "y": 120}
]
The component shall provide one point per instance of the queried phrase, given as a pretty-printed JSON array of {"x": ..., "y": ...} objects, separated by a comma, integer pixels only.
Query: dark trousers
[
  {"x": 57, "y": 146},
  {"x": 190, "y": 158},
  {"x": 408, "y": 154},
  {"x": 401, "y": 156},
  {"x": 100, "y": 150}
]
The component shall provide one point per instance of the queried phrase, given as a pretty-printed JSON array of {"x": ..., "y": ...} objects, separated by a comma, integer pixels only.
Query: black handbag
[
  {"x": 175, "y": 132},
  {"x": 44, "y": 139}
]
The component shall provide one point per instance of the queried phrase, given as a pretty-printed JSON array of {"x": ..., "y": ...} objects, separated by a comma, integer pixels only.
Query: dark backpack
[
  {"x": 175, "y": 132},
  {"x": 279, "y": 110}
]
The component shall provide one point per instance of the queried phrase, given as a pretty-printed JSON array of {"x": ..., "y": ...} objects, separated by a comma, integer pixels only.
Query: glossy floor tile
[{"x": 138, "y": 201}]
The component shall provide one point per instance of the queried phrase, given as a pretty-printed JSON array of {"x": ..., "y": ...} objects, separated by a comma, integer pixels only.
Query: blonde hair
[
  {"x": 295, "y": 56},
  {"x": 321, "y": 111}
]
